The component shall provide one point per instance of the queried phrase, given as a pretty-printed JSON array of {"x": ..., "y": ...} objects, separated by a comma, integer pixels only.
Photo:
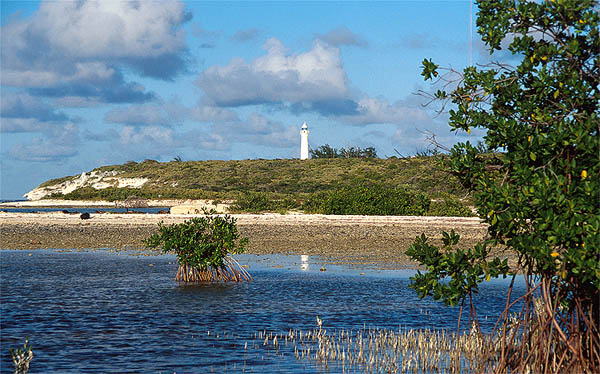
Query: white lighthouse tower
[{"x": 304, "y": 142}]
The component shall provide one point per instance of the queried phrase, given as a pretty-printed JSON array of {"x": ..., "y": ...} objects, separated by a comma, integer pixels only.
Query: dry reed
[{"x": 392, "y": 351}]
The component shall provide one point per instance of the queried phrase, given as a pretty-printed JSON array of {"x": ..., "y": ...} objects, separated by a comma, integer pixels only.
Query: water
[
  {"x": 84, "y": 210},
  {"x": 102, "y": 312}
]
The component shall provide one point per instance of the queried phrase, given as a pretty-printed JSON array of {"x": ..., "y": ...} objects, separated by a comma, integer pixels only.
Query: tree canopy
[
  {"x": 539, "y": 191},
  {"x": 326, "y": 151}
]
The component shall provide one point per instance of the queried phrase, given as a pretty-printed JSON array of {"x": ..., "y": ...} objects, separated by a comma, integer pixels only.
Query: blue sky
[{"x": 86, "y": 84}]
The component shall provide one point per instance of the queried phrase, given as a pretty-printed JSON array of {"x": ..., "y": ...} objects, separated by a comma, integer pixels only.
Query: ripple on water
[{"x": 99, "y": 312}]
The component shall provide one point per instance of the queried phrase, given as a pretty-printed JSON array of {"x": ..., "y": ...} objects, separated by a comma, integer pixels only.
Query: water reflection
[{"x": 304, "y": 264}]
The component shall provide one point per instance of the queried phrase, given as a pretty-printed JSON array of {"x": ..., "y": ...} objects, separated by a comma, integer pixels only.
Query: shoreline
[
  {"x": 53, "y": 203},
  {"x": 241, "y": 218},
  {"x": 378, "y": 241}
]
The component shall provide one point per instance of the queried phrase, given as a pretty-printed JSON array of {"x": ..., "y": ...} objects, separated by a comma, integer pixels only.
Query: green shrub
[
  {"x": 287, "y": 203},
  {"x": 255, "y": 202},
  {"x": 313, "y": 203},
  {"x": 252, "y": 202},
  {"x": 56, "y": 181},
  {"x": 373, "y": 199},
  {"x": 83, "y": 193},
  {"x": 449, "y": 206},
  {"x": 109, "y": 194},
  {"x": 202, "y": 246}
]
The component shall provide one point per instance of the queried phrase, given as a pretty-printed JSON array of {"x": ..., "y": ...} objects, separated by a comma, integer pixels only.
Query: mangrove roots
[{"x": 232, "y": 271}]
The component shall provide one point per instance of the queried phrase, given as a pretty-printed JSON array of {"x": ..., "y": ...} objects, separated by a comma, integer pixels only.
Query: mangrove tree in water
[
  {"x": 203, "y": 246},
  {"x": 538, "y": 192}
]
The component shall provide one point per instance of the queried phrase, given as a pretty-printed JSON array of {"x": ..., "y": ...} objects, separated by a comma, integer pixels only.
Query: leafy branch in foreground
[
  {"x": 202, "y": 246},
  {"x": 466, "y": 268},
  {"x": 540, "y": 195}
]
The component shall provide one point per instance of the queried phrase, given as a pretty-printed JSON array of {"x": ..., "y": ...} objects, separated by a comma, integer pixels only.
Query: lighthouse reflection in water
[{"x": 304, "y": 260}]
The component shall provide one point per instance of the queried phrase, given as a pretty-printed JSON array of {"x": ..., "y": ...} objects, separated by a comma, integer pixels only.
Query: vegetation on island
[
  {"x": 369, "y": 200},
  {"x": 540, "y": 199},
  {"x": 226, "y": 180},
  {"x": 203, "y": 246},
  {"x": 327, "y": 151},
  {"x": 282, "y": 185}
]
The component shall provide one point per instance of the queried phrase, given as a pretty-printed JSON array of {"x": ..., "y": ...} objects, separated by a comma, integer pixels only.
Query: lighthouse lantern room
[{"x": 304, "y": 142}]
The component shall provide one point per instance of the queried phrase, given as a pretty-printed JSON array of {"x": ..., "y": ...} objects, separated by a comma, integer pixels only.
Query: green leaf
[{"x": 537, "y": 184}]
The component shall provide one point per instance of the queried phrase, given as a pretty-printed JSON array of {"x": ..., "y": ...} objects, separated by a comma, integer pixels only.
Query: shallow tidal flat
[{"x": 379, "y": 241}]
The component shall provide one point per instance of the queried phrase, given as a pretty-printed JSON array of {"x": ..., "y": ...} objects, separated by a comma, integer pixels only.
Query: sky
[{"x": 86, "y": 84}]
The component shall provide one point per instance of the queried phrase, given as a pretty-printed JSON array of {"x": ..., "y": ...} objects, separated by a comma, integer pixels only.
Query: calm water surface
[
  {"x": 90, "y": 312},
  {"x": 84, "y": 210}
]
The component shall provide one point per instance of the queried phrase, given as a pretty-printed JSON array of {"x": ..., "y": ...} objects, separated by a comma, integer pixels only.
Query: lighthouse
[{"x": 304, "y": 142}]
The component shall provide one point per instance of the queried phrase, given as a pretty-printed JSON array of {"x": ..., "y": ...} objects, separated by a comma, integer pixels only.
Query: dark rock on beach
[{"x": 355, "y": 241}]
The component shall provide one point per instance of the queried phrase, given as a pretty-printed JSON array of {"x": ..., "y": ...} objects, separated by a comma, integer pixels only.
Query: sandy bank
[
  {"x": 377, "y": 240},
  {"x": 242, "y": 219}
]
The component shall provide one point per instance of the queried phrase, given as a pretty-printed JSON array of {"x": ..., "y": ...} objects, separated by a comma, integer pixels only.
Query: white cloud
[
  {"x": 199, "y": 140},
  {"x": 112, "y": 29},
  {"x": 130, "y": 135},
  {"x": 25, "y": 106},
  {"x": 29, "y": 78},
  {"x": 373, "y": 111},
  {"x": 104, "y": 136},
  {"x": 80, "y": 48},
  {"x": 169, "y": 113},
  {"x": 278, "y": 77},
  {"x": 161, "y": 142},
  {"x": 311, "y": 81},
  {"x": 163, "y": 113},
  {"x": 57, "y": 143},
  {"x": 258, "y": 129},
  {"x": 41, "y": 150},
  {"x": 8, "y": 125},
  {"x": 206, "y": 112},
  {"x": 99, "y": 30}
]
